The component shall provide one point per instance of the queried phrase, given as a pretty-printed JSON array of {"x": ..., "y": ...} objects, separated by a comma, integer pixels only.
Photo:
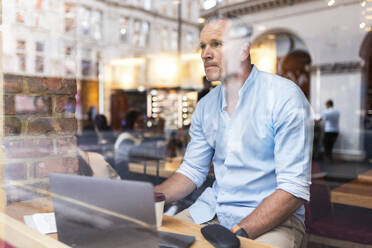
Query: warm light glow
[
  {"x": 331, "y": 3},
  {"x": 261, "y": 28},
  {"x": 208, "y": 4},
  {"x": 127, "y": 61},
  {"x": 201, "y": 20},
  {"x": 166, "y": 68},
  {"x": 266, "y": 64},
  {"x": 191, "y": 56},
  {"x": 363, "y": 4},
  {"x": 163, "y": 70},
  {"x": 362, "y": 25},
  {"x": 141, "y": 88},
  {"x": 264, "y": 55},
  {"x": 154, "y": 92},
  {"x": 127, "y": 79}
]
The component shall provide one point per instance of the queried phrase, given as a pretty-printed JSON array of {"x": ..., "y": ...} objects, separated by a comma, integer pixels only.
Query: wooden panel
[
  {"x": 166, "y": 169},
  {"x": 170, "y": 224},
  {"x": 365, "y": 176},
  {"x": 354, "y": 193}
]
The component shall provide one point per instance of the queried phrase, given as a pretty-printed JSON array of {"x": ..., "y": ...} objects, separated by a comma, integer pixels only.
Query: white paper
[{"x": 43, "y": 222}]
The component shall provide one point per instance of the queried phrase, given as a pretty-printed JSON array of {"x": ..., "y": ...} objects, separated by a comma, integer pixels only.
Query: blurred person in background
[
  {"x": 89, "y": 138},
  {"x": 106, "y": 138},
  {"x": 330, "y": 117},
  {"x": 104, "y": 132},
  {"x": 257, "y": 129},
  {"x": 128, "y": 140}
]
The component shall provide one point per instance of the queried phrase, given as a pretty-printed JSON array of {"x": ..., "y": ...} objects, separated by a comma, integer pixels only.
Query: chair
[
  {"x": 94, "y": 164},
  {"x": 336, "y": 225}
]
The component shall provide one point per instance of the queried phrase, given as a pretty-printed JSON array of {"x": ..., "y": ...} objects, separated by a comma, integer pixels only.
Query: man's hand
[
  {"x": 175, "y": 188},
  {"x": 272, "y": 212}
]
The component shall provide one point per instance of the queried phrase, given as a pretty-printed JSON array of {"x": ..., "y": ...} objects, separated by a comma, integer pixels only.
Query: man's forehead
[{"x": 215, "y": 29}]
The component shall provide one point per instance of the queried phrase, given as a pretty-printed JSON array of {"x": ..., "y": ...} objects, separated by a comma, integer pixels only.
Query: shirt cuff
[
  {"x": 193, "y": 174},
  {"x": 296, "y": 189}
]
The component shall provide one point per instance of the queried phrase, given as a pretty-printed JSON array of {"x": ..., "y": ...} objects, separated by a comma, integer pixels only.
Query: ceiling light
[{"x": 331, "y": 3}]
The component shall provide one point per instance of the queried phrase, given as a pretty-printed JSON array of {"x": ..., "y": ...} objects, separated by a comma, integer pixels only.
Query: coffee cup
[{"x": 159, "y": 207}]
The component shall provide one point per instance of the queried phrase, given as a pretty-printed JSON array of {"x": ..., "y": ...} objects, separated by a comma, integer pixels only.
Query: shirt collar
[{"x": 251, "y": 78}]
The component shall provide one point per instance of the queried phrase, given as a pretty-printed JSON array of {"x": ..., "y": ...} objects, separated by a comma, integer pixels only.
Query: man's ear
[{"x": 245, "y": 52}]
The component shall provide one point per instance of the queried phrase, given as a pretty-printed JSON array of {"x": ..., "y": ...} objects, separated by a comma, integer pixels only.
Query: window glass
[
  {"x": 147, "y": 4},
  {"x": 21, "y": 55},
  {"x": 39, "y": 46},
  {"x": 70, "y": 17},
  {"x": 137, "y": 32},
  {"x": 164, "y": 38},
  {"x": 39, "y": 64},
  {"x": 145, "y": 34},
  {"x": 124, "y": 29},
  {"x": 84, "y": 15},
  {"x": 39, "y": 4},
  {"x": 96, "y": 24},
  {"x": 120, "y": 89},
  {"x": 173, "y": 39}
]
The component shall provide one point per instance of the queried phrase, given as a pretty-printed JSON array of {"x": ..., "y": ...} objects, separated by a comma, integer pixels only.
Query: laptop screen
[{"x": 95, "y": 212}]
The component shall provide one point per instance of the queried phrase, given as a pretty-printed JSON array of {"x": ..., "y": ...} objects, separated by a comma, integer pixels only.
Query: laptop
[{"x": 94, "y": 212}]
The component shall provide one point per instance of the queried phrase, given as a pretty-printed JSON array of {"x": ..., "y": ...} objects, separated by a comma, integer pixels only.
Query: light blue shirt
[
  {"x": 331, "y": 118},
  {"x": 265, "y": 145}
]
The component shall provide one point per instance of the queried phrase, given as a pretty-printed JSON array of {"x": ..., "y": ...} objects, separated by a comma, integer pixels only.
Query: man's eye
[
  {"x": 202, "y": 46},
  {"x": 216, "y": 44}
]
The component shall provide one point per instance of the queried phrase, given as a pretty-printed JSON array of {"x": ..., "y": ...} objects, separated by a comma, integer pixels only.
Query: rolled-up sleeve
[
  {"x": 197, "y": 159},
  {"x": 293, "y": 129}
]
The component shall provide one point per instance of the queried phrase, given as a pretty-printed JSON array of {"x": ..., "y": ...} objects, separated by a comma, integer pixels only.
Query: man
[
  {"x": 256, "y": 127},
  {"x": 331, "y": 118}
]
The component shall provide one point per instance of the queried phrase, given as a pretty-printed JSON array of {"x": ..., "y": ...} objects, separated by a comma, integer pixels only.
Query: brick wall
[{"x": 39, "y": 129}]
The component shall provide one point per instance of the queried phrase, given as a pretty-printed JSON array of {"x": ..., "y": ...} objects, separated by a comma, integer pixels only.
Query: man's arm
[
  {"x": 195, "y": 165},
  {"x": 176, "y": 187},
  {"x": 272, "y": 212}
]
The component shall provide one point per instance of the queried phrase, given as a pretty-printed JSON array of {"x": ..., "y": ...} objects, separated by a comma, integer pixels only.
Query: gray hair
[{"x": 238, "y": 29}]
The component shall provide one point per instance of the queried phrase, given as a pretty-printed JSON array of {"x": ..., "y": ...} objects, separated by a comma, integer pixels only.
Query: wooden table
[
  {"x": 172, "y": 224},
  {"x": 365, "y": 176},
  {"x": 16, "y": 211},
  {"x": 355, "y": 193},
  {"x": 166, "y": 167}
]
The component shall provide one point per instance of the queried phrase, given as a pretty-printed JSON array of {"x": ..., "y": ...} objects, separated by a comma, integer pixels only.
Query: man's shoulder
[
  {"x": 335, "y": 111},
  {"x": 281, "y": 88},
  {"x": 273, "y": 80},
  {"x": 211, "y": 97}
]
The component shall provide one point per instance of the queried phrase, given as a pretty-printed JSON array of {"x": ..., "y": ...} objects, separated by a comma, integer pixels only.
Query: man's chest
[{"x": 247, "y": 128}]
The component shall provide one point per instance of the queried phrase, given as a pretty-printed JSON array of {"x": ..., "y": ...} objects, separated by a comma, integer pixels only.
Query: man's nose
[{"x": 206, "y": 53}]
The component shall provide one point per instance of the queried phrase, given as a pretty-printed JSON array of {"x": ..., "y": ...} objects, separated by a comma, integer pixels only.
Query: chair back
[{"x": 320, "y": 204}]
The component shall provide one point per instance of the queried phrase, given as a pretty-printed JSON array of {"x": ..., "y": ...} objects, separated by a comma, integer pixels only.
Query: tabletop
[
  {"x": 170, "y": 224},
  {"x": 354, "y": 193},
  {"x": 366, "y": 176}
]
